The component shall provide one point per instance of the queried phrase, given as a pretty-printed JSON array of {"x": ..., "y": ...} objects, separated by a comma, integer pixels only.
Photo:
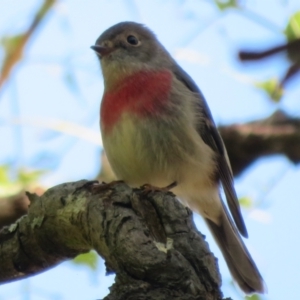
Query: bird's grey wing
[{"x": 210, "y": 135}]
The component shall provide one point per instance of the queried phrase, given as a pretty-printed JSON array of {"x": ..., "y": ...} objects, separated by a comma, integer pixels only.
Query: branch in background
[
  {"x": 247, "y": 142},
  {"x": 258, "y": 55},
  {"x": 292, "y": 48},
  {"x": 73, "y": 218},
  {"x": 12, "y": 208},
  {"x": 14, "y": 46}
]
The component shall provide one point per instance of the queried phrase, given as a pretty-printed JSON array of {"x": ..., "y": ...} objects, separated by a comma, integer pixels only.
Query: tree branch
[
  {"x": 12, "y": 208},
  {"x": 73, "y": 218},
  {"x": 15, "y": 45},
  {"x": 245, "y": 143}
]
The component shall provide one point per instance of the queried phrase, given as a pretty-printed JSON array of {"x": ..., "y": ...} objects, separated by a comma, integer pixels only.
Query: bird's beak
[{"x": 102, "y": 50}]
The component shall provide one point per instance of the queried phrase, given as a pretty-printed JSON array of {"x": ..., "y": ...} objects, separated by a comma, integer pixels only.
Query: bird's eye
[{"x": 132, "y": 40}]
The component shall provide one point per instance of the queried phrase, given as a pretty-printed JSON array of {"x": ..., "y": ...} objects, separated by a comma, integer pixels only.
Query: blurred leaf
[
  {"x": 4, "y": 177},
  {"x": 292, "y": 30},
  {"x": 9, "y": 43},
  {"x": 253, "y": 297},
  {"x": 89, "y": 259},
  {"x": 11, "y": 184},
  {"x": 8, "y": 186},
  {"x": 246, "y": 202},
  {"x": 29, "y": 177},
  {"x": 272, "y": 88},
  {"x": 223, "y": 4},
  {"x": 13, "y": 52}
]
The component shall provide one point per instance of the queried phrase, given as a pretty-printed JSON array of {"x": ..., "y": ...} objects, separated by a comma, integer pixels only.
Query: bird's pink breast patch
[{"x": 143, "y": 93}]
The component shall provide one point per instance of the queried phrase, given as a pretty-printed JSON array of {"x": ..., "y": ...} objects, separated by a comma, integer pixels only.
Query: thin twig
[{"x": 14, "y": 54}]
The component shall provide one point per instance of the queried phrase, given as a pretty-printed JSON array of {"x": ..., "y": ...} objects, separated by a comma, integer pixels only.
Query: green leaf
[
  {"x": 8, "y": 186},
  {"x": 25, "y": 177},
  {"x": 13, "y": 182},
  {"x": 9, "y": 43},
  {"x": 292, "y": 30},
  {"x": 253, "y": 297},
  {"x": 272, "y": 88},
  {"x": 246, "y": 202},
  {"x": 89, "y": 259},
  {"x": 223, "y": 4},
  {"x": 4, "y": 177}
]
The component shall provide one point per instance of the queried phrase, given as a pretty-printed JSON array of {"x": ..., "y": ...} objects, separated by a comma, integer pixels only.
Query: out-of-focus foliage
[
  {"x": 253, "y": 297},
  {"x": 223, "y": 5},
  {"x": 11, "y": 184},
  {"x": 292, "y": 30},
  {"x": 272, "y": 88},
  {"x": 246, "y": 202},
  {"x": 89, "y": 259}
]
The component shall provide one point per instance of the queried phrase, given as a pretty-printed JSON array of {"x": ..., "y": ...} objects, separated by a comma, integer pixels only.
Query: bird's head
[{"x": 126, "y": 48}]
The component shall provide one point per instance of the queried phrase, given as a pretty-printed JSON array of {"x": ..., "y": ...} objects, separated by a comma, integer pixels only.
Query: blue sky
[{"x": 59, "y": 80}]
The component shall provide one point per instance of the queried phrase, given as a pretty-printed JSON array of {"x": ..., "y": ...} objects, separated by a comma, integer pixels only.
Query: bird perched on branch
[{"x": 157, "y": 129}]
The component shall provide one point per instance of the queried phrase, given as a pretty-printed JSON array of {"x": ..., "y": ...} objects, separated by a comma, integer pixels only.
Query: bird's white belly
[
  {"x": 131, "y": 152},
  {"x": 152, "y": 151}
]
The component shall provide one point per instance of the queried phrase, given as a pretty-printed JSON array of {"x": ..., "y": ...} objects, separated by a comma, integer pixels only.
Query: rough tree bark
[{"x": 148, "y": 239}]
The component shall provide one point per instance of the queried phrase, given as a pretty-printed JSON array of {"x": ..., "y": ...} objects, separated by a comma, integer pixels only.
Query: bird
[{"x": 157, "y": 129}]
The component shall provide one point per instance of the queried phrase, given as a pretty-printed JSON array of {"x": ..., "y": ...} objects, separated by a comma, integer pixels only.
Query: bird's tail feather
[{"x": 238, "y": 259}]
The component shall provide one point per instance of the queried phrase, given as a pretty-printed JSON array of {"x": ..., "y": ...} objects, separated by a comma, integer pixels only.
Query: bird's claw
[{"x": 148, "y": 188}]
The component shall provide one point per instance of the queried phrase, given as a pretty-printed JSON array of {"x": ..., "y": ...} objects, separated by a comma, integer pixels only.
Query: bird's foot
[{"x": 148, "y": 188}]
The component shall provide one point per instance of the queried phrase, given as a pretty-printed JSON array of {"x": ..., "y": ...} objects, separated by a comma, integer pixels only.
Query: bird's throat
[{"x": 143, "y": 93}]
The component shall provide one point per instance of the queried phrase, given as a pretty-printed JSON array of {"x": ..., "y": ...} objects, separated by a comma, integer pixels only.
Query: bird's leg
[{"x": 148, "y": 188}]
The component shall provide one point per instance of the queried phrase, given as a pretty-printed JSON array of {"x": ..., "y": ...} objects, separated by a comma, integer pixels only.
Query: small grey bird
[{"x": 157, "y": 129}]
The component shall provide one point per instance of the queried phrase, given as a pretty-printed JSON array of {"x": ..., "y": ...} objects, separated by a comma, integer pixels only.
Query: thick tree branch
[
  {"x": 247, "y": 142},
  {"x": 158, "y": 257}
]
